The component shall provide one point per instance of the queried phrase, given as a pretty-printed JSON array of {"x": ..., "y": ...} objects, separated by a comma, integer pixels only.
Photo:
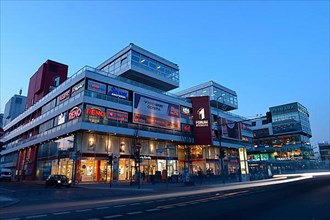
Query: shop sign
[
  {"x": 96, "y": 86},
  {"x": 185, "y": 110},
  {"x": 116, "y": 92},
  {"x": 95, "y": 112},
  {"x": 117, "y": 115},
  {"x": 65, "y": 95},
  {"x": 160, "y": 150},
  {"x": 61, "y": 118},
  {"x": 74, "y": 113},
  {"x": 77, "y": 87},
  {"x": 144, "y": 157}
]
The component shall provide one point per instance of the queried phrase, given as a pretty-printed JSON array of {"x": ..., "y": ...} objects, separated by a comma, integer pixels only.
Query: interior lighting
[
  {"x": 158, "y": 67},
  {"x": 143, "y": 60}
]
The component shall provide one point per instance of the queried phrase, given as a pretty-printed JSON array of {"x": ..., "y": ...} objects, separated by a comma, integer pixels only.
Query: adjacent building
[
  {"x": 123, "y": 108},
  {"x": 49, "y": 75},
  {"x": 324, "y": 149},
  {"x": 282, "y": 136},
  {"x": 14, "y": 107}
]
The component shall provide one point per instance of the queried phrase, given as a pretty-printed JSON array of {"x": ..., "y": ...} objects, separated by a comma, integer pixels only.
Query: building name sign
[
  {"x": 202, "y": 123},
  {"x": 74, "y": 113}
]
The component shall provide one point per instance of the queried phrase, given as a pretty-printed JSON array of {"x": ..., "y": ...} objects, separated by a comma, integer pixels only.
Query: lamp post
[
  {"x": 221, "y": 153},
  {"x": 74, "y": 158}
]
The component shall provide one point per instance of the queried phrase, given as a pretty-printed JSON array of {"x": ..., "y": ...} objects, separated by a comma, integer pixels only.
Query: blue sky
[{"x": 270, "y": 53}]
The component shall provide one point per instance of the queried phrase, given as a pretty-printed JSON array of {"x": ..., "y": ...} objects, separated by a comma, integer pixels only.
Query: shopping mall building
[{"x": 123, "y": 108}]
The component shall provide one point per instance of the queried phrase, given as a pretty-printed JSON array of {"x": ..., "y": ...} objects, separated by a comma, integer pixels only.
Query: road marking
[
  {"x": 61, "y": 213},
  {"x": 134, "y": 213},
  {"x": 135, "y": 203},
  {"x": 151, "y": 210},
  {"x": 149, "y": 202},
  {"x": 100, "y": 208},
  {"x": 12, "y": 218},
  {"x": 212, "y": 198},
  {"x": 36, "y": 216},
  {"x": 83, "y": 210},
  {"x": 168, "y": 207},
  {"x": 112, "y": 216},
  {"x": 118, "y": 206}
]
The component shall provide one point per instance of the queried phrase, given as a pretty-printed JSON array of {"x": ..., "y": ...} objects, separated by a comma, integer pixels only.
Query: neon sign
[{"x": 95, "y": 112}]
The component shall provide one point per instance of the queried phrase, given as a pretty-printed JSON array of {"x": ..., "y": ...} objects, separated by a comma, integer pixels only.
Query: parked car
[
  {"x": 5, "y": 174},
  {"x": 58, "y": 181}
]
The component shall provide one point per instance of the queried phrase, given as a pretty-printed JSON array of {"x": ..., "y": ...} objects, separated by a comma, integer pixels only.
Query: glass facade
[{"x": 133, "y": 58}]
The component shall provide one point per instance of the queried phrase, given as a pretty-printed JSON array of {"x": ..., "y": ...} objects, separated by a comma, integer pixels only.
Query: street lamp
[
  {"x": 222, "y": 153},
  {"x": 74, "y": 158}
]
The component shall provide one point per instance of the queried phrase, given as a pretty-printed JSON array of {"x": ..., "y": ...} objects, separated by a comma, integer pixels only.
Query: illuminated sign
[
  {"x": 201, "y": 116},
  {"x": 96, "y": 86},
  {"x": 144, "y": 157},
  {"x": 117, "y": 115},
  {"x": 61, "y": 118},
  {"x": 185, "y": 110},
  {"x": 95, "y": 112},
  {"x": 151, "y": 111},
  {"x": 65, "y": 95},
  {"x": 74, "y": 113},
  {"x": 77, "y": 87},
  {"x": 116, "y": 92},
  {"x": 230, "y": 129}
]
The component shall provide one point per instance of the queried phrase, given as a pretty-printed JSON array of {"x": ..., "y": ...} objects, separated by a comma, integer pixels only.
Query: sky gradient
[{"x": 270, "y": 53}]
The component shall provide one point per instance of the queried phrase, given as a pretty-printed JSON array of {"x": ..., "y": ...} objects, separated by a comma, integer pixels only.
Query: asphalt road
[{"x": 305, "y": 199}]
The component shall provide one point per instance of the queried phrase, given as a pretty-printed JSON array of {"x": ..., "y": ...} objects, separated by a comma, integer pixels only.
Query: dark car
[{"x": 58, "y": 181}]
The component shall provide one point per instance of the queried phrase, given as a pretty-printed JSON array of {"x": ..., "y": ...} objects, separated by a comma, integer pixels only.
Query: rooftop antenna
[{"x": 20, "y": 91}]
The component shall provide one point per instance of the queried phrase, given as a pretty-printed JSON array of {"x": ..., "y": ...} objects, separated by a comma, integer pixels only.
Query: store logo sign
[
  {"x": 74, "y": 113},
  {"x": 64, "y": 95},
  {"x": 95, "y": 112},
  {"x": 77, "y": 87}
]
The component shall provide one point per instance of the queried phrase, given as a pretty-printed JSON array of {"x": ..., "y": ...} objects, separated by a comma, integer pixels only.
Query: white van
[{"x": 5, "y": 174}]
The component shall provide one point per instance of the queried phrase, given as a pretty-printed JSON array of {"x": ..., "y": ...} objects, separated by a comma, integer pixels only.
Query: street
[{"x": 307, "y": 198}]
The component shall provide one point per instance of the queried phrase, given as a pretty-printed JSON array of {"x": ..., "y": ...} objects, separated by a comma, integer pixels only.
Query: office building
[
  {"x": 282, "y": 137},
  {"x": 14, "y": 107}
]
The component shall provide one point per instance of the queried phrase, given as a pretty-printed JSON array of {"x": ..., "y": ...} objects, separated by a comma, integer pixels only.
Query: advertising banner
[
  {"x": 201, "y": 117},
  {"x": 230, "y": 129},
  {"x": 151, "y": 111}
]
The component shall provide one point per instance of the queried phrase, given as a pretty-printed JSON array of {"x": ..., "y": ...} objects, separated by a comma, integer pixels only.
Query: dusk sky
[{"x": 270, "y": 53}]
